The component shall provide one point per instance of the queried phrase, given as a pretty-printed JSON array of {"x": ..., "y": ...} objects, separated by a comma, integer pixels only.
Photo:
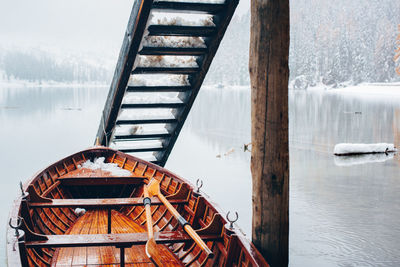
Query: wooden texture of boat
[{"x": 113, "y": 231}]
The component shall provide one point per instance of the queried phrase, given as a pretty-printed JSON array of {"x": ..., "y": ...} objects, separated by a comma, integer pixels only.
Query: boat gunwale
[{"x": 13, "y": 253}]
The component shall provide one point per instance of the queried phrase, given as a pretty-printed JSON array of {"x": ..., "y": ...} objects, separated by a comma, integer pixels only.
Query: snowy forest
[
  {"x": 35, "y": 65},
  {"x": 333, "y": 43}
]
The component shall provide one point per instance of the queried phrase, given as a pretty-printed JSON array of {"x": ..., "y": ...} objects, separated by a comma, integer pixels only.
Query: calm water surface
[{"x": 342, "y": 212}]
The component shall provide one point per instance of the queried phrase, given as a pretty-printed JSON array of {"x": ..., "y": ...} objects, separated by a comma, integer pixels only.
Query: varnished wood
[
  {"x": 100, "y": 248},
  {"x": 83, "y": 240},
  {"x": 154, "y": 190},
  {"x": 93, "y": 203},
  {"x": 151, "y": 245},
  {"x": 125, "y": 240},
  {"x": 87, "y": 181}
]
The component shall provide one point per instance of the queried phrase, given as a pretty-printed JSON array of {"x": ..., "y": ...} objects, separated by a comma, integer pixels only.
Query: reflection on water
[{"x": 340, "y": 214}]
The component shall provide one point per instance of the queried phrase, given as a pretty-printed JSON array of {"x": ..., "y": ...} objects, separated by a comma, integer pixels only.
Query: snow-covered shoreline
[
  {"x": 360, "y": 90},
  {"x": 370, "y": 89}
]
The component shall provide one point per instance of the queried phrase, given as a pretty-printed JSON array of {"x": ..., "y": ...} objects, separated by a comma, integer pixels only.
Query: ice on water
[{"x": 348, "y": 148}]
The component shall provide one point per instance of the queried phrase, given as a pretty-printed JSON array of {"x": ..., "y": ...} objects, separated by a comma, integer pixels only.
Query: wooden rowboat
[{"x": 46, "y": 228}]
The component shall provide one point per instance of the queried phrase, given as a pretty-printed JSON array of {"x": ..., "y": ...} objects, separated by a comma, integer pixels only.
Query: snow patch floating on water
[
  {"x": 173, "y": 41},
  {"x": 166, "y": 61},
  {"x": 79, "y": 211},
  {"x": 99, "y": 164},
  {"x": 348, "y": 149},
  {"x": 158, "y": 80},
  {"x": 345, "y": 161},
  {"x": 181, "y": 19}
]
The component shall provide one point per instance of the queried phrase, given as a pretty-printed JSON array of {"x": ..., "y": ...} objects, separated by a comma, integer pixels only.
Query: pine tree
[{"x": 397, "y": 51}]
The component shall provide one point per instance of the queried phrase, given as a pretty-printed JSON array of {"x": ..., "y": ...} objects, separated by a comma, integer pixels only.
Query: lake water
[{"x": 342, "y": 212}]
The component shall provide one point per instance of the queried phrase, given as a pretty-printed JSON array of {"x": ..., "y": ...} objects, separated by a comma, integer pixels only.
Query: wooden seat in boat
[{"x": 95, "y": 222}]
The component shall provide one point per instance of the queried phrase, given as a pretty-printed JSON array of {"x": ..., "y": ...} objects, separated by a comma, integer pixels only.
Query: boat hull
[{"x": 112, "y": 231}]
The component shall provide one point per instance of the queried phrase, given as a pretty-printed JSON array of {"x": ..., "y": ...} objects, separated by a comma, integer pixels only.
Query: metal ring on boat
[
  {"x": 19, "y": 223},
  {"x": 199, "y": 184},
  {"x": 232, "y": 221}
]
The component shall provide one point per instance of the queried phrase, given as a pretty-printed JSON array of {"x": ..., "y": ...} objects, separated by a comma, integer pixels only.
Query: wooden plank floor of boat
[{"x": 95, "y": 222}]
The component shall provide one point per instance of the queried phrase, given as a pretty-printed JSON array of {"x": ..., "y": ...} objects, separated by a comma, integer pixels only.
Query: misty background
[{"x": 333, "y": 43}]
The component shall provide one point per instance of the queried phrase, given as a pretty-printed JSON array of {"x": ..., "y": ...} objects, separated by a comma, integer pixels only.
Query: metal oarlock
[
  {"x": 232, "y": 221},
  {"x": 19, "y": 223},
  {"x": 199, "y": 184},
  {"x": 22, "y": 190}
]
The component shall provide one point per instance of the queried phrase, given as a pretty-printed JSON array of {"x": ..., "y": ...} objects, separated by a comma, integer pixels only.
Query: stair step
[
  {"x": 153, "y": 105},
  {"x": 139, "y": 136},
  {"x": 165, "y": 70},
  {"x": 178, "y": 30},
  {"x": 158, "y": 89},
  {"x": 133, "y": 150},
  {"x": 146, "y": 121},
  {"x": 207, "y": 8},
  {"x": 175, "y": 51}
]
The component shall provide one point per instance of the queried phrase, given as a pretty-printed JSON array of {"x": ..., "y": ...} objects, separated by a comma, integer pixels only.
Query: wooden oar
[
  {"x": 154, "y": 190},
  {"x": 151, "y": 245}
]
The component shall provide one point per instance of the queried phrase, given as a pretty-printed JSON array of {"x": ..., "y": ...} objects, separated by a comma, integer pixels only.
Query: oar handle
[
  {"x": 192, "y": 233},
  {"x": 186, "y": 226},
  {"x": 149, "y": 219}
]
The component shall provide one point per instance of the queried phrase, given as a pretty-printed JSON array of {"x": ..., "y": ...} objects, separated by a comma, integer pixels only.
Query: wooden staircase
[{"x": 161, "y": 67}]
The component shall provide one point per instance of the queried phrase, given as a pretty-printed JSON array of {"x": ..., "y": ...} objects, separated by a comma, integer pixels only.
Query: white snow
[
  {"x": 136, "y": 144},
  {"x": 173, "y": 41},
  {"x": 166, "y": 61},
  {"x": 362, "y": 159},
  {"x": 127, "y": 114},
  {"x": 160, "y": 18},
  {"x": 99, "y": 164},
  {"x": 139, "y": 129},
  {"x": 79, "y": 211},
  {"x": 132, "y": 99},
  {"x": 347, "y": 148},
  {"x": 370, "y": 91},
  {"x": 158, "y": 80}
]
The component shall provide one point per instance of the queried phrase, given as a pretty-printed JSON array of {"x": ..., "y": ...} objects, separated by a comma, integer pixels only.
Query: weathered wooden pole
[{"x": 269, "y": 72}]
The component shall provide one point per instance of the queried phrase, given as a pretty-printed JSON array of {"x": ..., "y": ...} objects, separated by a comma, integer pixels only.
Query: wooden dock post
[{"x": 269, "y": 72}]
